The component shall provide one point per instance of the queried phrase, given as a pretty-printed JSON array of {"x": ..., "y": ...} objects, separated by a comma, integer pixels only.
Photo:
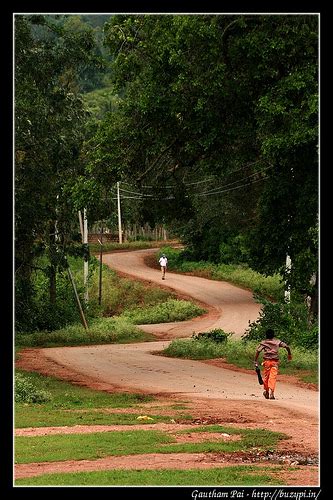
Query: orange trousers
[{"x": 270, "y": 373}]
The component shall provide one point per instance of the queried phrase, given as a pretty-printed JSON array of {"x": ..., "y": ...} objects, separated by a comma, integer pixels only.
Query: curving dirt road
[
  {"x": 230, "y": 308},
  {"x": 212, "y": 389}
]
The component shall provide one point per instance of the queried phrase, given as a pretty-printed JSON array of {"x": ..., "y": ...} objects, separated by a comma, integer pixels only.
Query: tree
[
  {"x": 49, "y": 121},
  {"x": 229, "y": 100}
]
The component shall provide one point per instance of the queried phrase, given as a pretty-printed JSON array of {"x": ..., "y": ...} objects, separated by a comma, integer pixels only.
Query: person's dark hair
[{"x": 269, "y": 333}]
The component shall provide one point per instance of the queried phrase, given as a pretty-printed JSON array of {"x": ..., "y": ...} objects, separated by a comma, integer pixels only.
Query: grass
[
  {"x": 171, "y": 310},
  {"x": 241, "y": 354},
  {"x": 242, "y": 475},
  {"x": 66, "y": 395},
  {"x": 55, "y": 418},
  {"x": 130, "y": 245},
  {"x": 125, "y": 304},
  {"x": 86, "y": 406},
  {"x": 74, "y": 405},
  {"x": 100, "y": 331},
  {"x": 92, "y": 446}
]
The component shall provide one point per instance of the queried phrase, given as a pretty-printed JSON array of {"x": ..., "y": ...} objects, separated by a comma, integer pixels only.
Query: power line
[
  {"x": 207, "y": 193},
  {"x": 232, "y": 189},
  {"x": 235, "y": 182}
]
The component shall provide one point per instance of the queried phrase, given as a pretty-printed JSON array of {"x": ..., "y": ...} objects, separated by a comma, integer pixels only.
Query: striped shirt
[{"x": 270, "y": 348}]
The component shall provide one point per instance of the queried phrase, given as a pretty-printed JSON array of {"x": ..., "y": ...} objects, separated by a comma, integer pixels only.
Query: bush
[
  {"x": 217, "y": 335},
  {"x": 288, "y": 320},
  {"x": 27, "y": 392}
]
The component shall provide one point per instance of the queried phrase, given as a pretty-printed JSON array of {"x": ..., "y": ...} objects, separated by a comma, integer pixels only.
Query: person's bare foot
[
  {"x": 265, "y": 393},
  {"x": 271, "y": 396}
]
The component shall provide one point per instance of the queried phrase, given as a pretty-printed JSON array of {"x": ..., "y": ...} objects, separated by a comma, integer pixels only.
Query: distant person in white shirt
[{"x": 163, "y": 263}]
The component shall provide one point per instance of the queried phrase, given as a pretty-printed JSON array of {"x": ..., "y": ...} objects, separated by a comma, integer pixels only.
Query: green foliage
[
  {"x": 289, "y": 321},
  {"x": 233, "y": 250},
  {"x": 237, "y": 151},
  {"x": 216, "y": 335},
  {"x": 49, "y": 130},
  {"x": 69, "y": 396},
  {"x": 100, "y": 331},
  {"x": 35, "y": 312},
  {"x": 241, "y": 354},
  {"x": 27, "y": 392},
  {"x": 242, "y": 275},
  {"x": 166, "y": 312},
  {"x": 194, "y": 349},
  {"x": 120, "y": 294}
]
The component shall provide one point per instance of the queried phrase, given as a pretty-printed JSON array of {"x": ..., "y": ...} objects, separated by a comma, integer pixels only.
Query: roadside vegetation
[
  {"x": 291, "y": 320},
  {"x": 243, "y": 475},
  {"x": 125, "y": 303},
  {"x": 219, "y": 345},
  {"x": 239, "y": 274},
  {"x": 46, "y": 401},
  {"x": 53, "y": 448}
]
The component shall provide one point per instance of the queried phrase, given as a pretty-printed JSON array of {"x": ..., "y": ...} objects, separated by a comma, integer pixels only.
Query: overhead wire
[{"x": 214, "y": 191}]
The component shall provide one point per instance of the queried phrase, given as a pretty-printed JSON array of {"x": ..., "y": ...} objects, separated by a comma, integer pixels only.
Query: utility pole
[
  {"x": 100, "y": 267},
  {"x": 119, "y": 215},
  {"x": 86, "y": 257},
  {"x": 288, "y": 268},
  {"x": 81, "y": 224}
]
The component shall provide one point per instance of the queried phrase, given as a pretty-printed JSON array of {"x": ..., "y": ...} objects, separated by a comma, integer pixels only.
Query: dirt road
[
  {"x": 214, "y": 392},
  {"x": 230, "y": 307}
]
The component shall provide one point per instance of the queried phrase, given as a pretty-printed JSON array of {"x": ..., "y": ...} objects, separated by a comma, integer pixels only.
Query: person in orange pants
[{"x": 270, "y": 348}]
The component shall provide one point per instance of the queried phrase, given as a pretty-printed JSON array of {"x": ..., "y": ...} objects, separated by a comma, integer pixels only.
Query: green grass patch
[
  {"x": 40, "y": 417},
  {"x": 74, "y": 405},
  {"x": 241, "y": 354},
  {"x": 121, "y": 294},
  {"x": 243, "y": 475},
  {"x": 65, "y": 395},
  {"x": 100, "y": 331},
  {"x": 125, "y": 304},
  {"x": 169, "y": 311},
  {"x": 130, "y": 245},
  {"x": 97, "y": 445}
]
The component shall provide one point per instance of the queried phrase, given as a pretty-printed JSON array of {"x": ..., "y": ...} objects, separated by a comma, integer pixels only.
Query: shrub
[
  {"x": 217, "y": 335},
  {"x": 289, "y": 320},
  {"x": 27, "y": 392}
]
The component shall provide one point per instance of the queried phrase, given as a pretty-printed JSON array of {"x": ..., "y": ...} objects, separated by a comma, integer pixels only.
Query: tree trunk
[
  {"x": 53, "y": 266},
  {"x": 313, "y": 300}
]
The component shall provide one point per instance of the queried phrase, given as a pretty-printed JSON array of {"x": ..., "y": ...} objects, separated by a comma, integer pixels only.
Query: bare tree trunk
[
  {"x": 53, "y": 266},
  {"x": 313, "y": 306}
]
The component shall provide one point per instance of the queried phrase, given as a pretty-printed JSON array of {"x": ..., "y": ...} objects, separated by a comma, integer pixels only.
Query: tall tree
[
  {"x": 49, "y": 119},
  {"x": 226, "y": 99}
]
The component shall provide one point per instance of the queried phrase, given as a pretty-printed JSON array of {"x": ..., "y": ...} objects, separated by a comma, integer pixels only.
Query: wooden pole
[
  {"x": 100, "y": 268},
  {"x": 81, "y": 225},
  {"x": 119, "y": 215},
  {"x": 85, "y": 264},
  {"x": 83, "y": 319},
  {"x": 288, "y": 269}
]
